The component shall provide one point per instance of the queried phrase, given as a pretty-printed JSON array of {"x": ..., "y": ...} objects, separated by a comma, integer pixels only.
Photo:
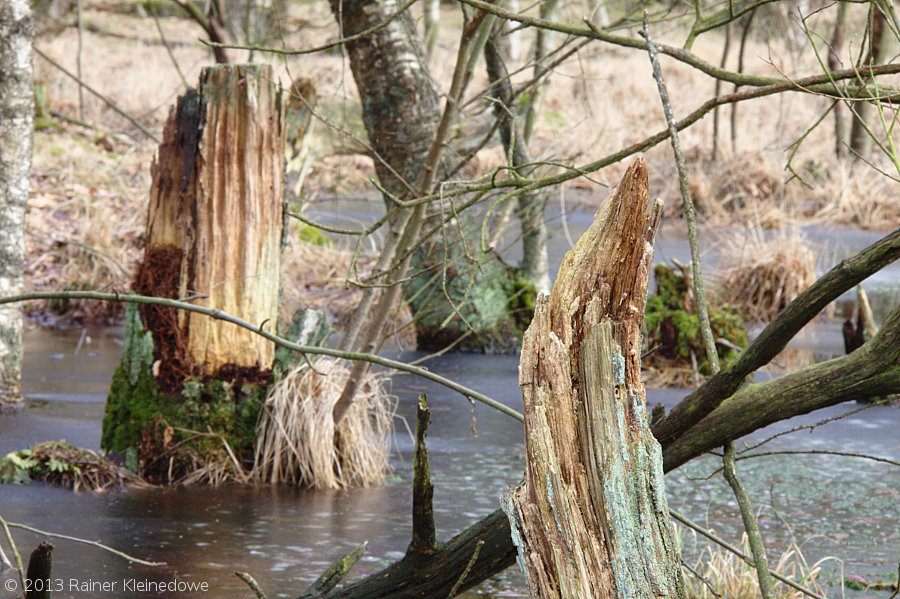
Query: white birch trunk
[{"x": 16, "y": 131}]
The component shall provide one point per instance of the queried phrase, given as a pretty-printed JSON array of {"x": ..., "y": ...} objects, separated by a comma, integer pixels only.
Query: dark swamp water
[{"x": 842, "y": 507}]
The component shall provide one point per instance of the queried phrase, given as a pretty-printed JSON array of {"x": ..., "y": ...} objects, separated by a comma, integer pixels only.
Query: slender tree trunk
[
  {"x": 213, "y": 234},
  {"x": 726, "y": 47},
  {"x": 860, "y": 136},
  {"x": 16, "y": 138},
  {"x": 432, "y": 25},
  {"x": 534, "y": 267},
  {"x": 591, "y": 518},
  {"x": 549, "y": 11},
  {"x": 834, "y": 63}
]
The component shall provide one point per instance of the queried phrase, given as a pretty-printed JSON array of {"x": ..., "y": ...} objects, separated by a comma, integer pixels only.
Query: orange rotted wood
[{"x": 215, "y": 221}]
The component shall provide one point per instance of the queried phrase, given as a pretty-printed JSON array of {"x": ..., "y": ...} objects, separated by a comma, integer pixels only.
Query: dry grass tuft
[
  {"x": 760, "y": 274},
  {"x": 734, "y": 578},
  {"x": 297, "y": 442},
  {"x": 755, "y": 188}
]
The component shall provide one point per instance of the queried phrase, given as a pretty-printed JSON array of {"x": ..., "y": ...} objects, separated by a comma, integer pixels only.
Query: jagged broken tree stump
[
  {"x": 214, "y": 237},
  {"x": 591, "y": 519}
]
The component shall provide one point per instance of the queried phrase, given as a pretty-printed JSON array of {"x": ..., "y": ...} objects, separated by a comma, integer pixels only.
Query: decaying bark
[
  {"x": 591, "y": 519},
  {"x": 16, "y": 129},
  {"x": 38, "y": 576},
  {"x": 215, "y": 222}
]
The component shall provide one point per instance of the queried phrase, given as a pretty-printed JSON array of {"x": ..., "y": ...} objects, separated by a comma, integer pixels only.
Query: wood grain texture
[
  {"x": 216, "y": 209},
  {"x": 590, "y": 519}
]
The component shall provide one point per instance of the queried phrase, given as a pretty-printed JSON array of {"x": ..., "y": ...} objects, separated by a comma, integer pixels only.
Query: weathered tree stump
[
  {"x": 214, "y": 236},
  {"x": 591, "y": 518},
  {"x": 214, "y": 226}
]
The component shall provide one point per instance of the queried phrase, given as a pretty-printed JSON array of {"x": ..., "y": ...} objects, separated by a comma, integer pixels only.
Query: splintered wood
[
  {"x": 215, "y": 220},
  {"x": 591, "y": 518}
]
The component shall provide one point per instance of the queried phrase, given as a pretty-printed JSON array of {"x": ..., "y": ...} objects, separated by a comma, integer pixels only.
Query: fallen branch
[{"x": 303, "y": 349}]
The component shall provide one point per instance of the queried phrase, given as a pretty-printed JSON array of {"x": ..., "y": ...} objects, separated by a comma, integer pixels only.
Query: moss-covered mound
[
  {"x": 175, "y": 433},
  {"x": 673, "y": 329},
  {"x": 65, "y": 466}
]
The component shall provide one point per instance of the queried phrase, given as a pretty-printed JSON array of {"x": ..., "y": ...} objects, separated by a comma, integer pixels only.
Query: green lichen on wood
[
  {"x": 136, "y": 405},
  {"x": 673, "y": 327}
]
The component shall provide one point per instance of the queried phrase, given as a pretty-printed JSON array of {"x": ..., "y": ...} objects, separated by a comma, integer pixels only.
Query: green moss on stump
[{"x": 136, "y": 409}]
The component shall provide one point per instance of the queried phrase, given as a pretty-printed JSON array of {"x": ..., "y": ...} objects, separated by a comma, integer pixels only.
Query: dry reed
[
  {"x": 760, "y": 274},
  {"x": 734, "y": 578},
  {"x": 298, "y": 443}
]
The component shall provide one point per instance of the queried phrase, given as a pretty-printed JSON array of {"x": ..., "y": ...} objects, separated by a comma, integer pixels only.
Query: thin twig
[
  {"x": 462, "y": 577},
  {"x": 162, "y": 36},
  {"x": 766, "y": 586},
  {"x": 701, "y": 578},
  {"x": 689, "y": 211},
  {"x": 121, "y": 554},
  {"x": 78, "y": 55},
  {"x": 106, "y": 100},
  {"x": 848, "y": 454},
  {"x": 810, "y": 427},
  {"x": 12, "y": 545},
  {"x": 251, "y": 582},
  {"x": 280, "y": 341}
]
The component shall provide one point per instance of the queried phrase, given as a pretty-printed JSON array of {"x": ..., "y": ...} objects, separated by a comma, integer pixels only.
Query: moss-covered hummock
[
  {"x": 188, "y": 425},
  {"x": 64, "y": 465},
  {"x": 673, "y": 328}
]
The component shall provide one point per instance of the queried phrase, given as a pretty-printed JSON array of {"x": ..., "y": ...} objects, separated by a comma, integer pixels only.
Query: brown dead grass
[
  {"x": 88, "y": 203},
  {"x": 85, "y": 217},
  {"x": 733, "y": 578},
  {"x": 761, "y": 273},
  {"x": 298, "y": 443}
]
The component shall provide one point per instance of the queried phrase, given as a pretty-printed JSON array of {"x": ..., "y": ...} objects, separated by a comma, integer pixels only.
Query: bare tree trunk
[
  {"x": 16, "y": 138},
  {"x": 860, "y": 131},
  {"x": 534, "y": 266},
  {"x": 214, "y": 235},
  {"x": 591, "y": 518},
  {"x": 834, "y": 63}
]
